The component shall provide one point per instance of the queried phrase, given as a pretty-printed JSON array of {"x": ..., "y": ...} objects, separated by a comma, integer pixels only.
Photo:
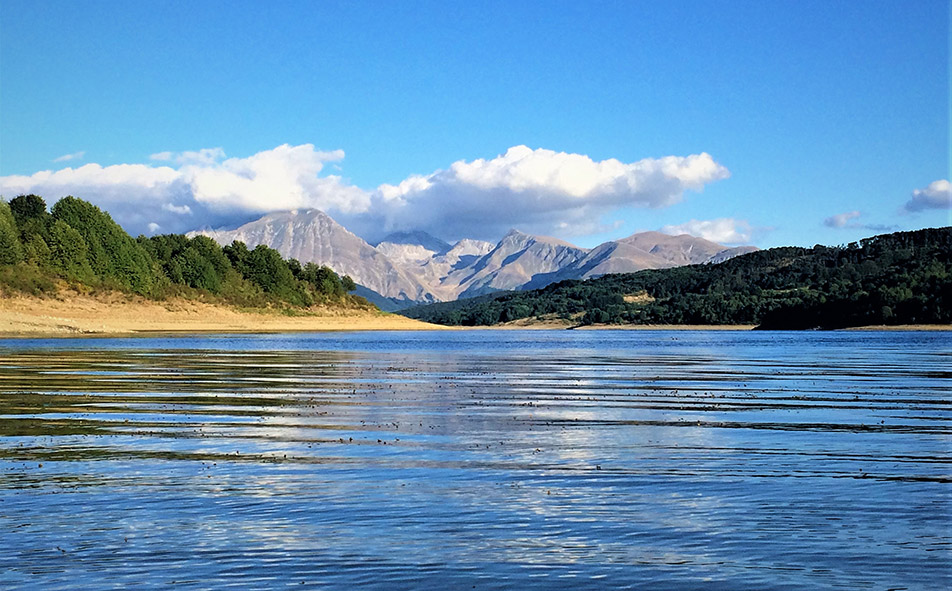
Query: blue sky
[{"x": 766, "y": 122}]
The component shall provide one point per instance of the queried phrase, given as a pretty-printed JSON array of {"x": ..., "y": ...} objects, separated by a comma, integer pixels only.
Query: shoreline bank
[{"x": 123, "y": 315}]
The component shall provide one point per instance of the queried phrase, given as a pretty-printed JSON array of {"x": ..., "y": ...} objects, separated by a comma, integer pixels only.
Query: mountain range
[
  {"x": 891, "y": 279},
  {"x": 410, "y": 268}
]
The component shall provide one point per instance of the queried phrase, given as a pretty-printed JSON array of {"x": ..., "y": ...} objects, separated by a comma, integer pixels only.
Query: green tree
[
  {"x": 197, "y": 271},
  {"x": 296, "y": 269},
  {"x": 212, "y": 252},
  {"x": 36, "y": 251},
  {"x": 11, "y": 251},
  {"x": 322, "y": 279},
  {"x": 113, "y": 254},
  {"x": 68, "y": 251},
  {"x": 164, "y": 247},
  {"x": 237, "y": 253},
  {"x": 266, "y": 269},
  {"x": 30, "y": 214},
  {"x": 27, "y": 207}
]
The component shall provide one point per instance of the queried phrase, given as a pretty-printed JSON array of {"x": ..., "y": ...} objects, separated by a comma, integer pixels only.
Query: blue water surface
[{"x": 478, "y": 460}]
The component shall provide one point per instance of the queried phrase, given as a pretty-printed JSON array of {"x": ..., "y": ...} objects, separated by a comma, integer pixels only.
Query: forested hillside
[
  {"x": 901, "y": 278},
  {"x": 78, "y": 245}
]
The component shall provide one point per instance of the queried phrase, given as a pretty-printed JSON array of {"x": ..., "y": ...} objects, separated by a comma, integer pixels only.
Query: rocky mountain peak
[
  {"x": 415, "y": 267},
  {"x": 313, "y": 236},
  {"x": 468, "y": 246}
]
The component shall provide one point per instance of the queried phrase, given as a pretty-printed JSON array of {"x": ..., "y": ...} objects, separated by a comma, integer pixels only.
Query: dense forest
[
  {"x": 78, "y": 245},
  {"x": 900, "y": 278}
]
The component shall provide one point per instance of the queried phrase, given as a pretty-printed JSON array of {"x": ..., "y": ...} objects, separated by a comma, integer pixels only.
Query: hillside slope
[
  {"x": 77, "y": 246},
  {"x": 901, "y": 278}
]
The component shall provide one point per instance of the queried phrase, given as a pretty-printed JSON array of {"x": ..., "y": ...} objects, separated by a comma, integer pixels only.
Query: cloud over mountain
[
  {"x": 541, "y": 190},
  {"x": 723, "y": 230},
  {"x": 546, "y": 191}
]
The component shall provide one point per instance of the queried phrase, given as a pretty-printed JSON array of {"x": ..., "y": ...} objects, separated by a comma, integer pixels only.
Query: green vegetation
[
  {"x": 11, "y": 251},
  {"x": 77, "y": 244},
  {"x": 901, "y": 278},
  {"x": 91, "y": 235}
]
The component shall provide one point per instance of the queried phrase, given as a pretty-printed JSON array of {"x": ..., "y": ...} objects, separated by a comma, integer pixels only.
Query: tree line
[
  {"x": 900, "y": 278},
  {"x": 76, "y": 242}
]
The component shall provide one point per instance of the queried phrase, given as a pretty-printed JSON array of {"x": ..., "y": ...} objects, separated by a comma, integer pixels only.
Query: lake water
[{"x": 478, "y": 460}]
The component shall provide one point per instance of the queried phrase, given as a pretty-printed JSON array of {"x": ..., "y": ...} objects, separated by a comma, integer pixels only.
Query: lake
[{"x": 478, "y": 460}]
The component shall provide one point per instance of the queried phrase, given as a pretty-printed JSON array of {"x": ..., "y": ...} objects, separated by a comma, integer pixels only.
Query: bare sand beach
[{"x": 117, "y": 313}]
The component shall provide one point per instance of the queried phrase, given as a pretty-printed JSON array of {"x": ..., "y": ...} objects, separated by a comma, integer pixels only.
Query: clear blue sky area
[{"x": 816, "y": 109}]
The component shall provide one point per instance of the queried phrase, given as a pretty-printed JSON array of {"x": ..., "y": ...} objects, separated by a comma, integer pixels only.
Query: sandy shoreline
[{"x": 119, "y": 314}]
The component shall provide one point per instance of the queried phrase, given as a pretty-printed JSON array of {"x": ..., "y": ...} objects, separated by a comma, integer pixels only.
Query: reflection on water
[{"x": 480, "y": 460}]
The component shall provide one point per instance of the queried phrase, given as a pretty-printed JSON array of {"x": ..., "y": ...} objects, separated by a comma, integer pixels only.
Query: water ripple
[{"x": 486, "y": 460}]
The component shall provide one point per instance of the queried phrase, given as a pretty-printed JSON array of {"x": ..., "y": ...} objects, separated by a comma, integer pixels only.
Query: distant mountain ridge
[
  {"x": 411, "y": 247},
  {"x": 409, "y": 268},
  {"x": 513, "y": 263},
  {"x": 904, "y": 278}
]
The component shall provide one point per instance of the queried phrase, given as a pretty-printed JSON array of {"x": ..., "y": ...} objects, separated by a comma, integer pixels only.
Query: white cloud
[
  {"x": 841, "y": 220},
  {"x": 205, "y": 156},
  {"x": 153, "y": 227},
  {"x": 938, "y": 195},
  {"x": 92, "y": 178},
  {"x": 179, "y": 209},
  {"x": 133, "y": 194},
  {"x": 274, "y": 180},
  {"x": 569, "y": 178},
  {"x": 847, "y": 220},
  {"x": 722, "y": 230},
  {"x": 74, "y": 156},
  {"x": 539, "y": 190},
  {"x": 214, "y": 190}
]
